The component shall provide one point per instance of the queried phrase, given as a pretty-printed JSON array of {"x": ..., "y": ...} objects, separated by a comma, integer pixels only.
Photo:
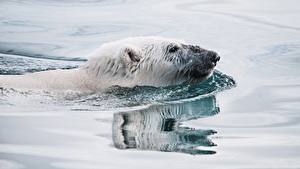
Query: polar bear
[{"x": 136, "y": 61}]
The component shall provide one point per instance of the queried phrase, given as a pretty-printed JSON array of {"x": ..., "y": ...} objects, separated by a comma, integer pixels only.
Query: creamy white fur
[{"x": 109, "y": 65}]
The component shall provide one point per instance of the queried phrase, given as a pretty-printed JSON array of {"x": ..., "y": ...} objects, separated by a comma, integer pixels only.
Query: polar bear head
[{"x": 150, "y": 61}]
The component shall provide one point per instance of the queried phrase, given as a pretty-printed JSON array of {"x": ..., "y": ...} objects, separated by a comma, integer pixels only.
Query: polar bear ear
[{"x": 131, "y": 54}]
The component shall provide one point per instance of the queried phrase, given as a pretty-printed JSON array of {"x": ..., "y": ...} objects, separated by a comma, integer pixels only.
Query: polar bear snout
[
  {"x": 208, "y": 56},
  {"x": 203, "y": 63},
  {"x": 213, "y": 57}
]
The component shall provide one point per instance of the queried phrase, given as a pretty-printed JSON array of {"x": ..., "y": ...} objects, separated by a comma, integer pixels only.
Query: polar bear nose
[{"x": 213, "y": 56}]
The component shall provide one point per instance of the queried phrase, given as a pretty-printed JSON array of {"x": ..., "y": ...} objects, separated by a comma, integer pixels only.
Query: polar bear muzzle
[{"x": 198, "y": 62}]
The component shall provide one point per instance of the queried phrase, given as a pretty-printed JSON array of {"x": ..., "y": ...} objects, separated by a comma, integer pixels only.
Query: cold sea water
[{"x": 247, "y": 115}]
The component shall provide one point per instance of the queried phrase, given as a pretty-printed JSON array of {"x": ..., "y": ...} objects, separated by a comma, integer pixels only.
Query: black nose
[{"x": 214, "y": 57}]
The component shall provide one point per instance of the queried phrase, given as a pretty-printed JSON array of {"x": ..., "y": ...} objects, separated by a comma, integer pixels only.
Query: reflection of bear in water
[
  {"x": 139, "y": 61},
  {"x": 158, "y": 127}
]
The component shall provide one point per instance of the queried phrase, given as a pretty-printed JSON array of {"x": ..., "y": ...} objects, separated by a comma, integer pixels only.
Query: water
[{"x": 213, "y": 124}]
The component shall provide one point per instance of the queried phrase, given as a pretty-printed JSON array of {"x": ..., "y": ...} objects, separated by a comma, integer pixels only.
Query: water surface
[{"x": 213, "y": 124}]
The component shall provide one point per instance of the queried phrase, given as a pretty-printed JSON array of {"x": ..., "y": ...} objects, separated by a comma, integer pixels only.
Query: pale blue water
[{"x": 245, "y": 116}]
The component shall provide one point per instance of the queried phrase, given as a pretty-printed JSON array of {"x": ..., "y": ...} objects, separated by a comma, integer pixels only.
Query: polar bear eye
[{"x": 173, "y": 49}]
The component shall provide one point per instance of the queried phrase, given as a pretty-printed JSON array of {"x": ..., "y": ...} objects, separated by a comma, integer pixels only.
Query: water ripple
[
  {"x": 194, "y": 7},
  {"x": 16, "y": 65},
  {"x": 119, "y": 98},
  {"x": 147, "y": 94},
  {"x": 34, "y": 50},
  {"x": 81, "y": 3},
  {"x": 19, "y": 26}
]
